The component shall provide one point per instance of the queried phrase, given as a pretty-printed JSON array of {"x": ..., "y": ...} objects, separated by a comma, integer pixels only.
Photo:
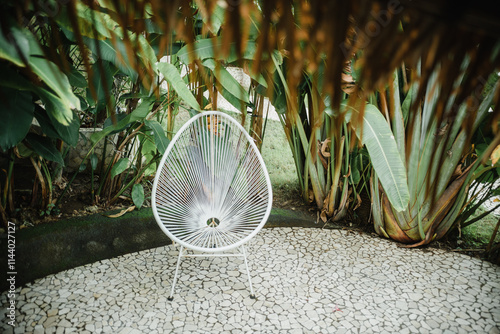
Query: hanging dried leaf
[{"x": 325, "y": 148}]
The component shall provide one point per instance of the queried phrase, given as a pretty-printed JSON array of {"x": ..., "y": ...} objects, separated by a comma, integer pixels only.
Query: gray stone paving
[{"x": 306, "y": 281}]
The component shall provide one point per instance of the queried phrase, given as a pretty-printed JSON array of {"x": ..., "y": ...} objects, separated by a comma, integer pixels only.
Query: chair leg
[
  {"x": 252, "y": 294},
  {"x": 171, "y": 297}
]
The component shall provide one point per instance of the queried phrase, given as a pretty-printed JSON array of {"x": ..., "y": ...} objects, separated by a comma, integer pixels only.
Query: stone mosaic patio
[{"x": 306, "y": 281}]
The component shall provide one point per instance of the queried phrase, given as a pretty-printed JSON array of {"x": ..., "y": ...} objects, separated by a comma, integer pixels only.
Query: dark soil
[{"x": 76, "y": 200}]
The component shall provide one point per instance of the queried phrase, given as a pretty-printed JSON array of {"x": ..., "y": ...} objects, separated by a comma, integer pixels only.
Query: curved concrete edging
[{"x": 53, "y": 247}]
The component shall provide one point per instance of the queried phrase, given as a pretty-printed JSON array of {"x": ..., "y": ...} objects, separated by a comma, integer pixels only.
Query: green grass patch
[
  {"x": 278, "y": 157},
  {"x": 478, "y": 235}
]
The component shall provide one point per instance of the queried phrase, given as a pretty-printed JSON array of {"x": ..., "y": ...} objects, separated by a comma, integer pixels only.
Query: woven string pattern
[{"x": 212, "y": 190}]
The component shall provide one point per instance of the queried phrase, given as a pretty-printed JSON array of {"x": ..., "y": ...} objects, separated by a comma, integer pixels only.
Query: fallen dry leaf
[{"x": 121, "y": 213}]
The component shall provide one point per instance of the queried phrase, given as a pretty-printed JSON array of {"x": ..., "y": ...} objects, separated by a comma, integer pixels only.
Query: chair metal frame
[{"x": 212, "y": 191}]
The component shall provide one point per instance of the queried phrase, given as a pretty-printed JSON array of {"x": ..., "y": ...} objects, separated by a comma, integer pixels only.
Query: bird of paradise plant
[{"x": 439, "y": 162}]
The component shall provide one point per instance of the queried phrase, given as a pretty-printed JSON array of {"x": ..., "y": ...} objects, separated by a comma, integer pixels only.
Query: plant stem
[
  {"x": 493, "y": 236},
  {"x": 3, "y": 215},
  {"x": 139, "y": 173},
  {"x": 49, "y": 180},
  {"x": 6, "y": 189},
  {"x": 67, "y": 186},
  {"x": 42, "y": 182},
  {"x": 481, "y": 216},
  {"x": 92, "y": 192}
]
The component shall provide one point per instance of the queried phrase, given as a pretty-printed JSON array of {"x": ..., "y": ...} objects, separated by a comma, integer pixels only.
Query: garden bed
[{"x": 67, "y": 243}]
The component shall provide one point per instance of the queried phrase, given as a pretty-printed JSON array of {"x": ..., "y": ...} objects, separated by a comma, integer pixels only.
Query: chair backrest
[{"x": 211, "y": 191}]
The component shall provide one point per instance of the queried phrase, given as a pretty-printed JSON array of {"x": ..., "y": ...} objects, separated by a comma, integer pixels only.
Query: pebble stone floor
[{"x": 306, "y": 281}]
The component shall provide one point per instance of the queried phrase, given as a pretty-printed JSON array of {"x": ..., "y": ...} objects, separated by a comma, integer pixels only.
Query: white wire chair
[{"x": 212, "y": 192}]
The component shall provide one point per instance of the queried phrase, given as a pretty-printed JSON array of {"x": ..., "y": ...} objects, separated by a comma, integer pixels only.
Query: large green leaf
[
  {"x": 215, "y": 21},
  {"x": 11, "y": 78},
  {"x": 256, "y": 76},
  {"x": 55, "y": 106},
  {"x": 44, "y": 147},
  {"x": 449, "y": 164},
  {"x": 204, "y": 49},
  {"x": 414, "y": 157},
  {"x": 90, "y": 22},
  {"x": 108, "y": 51},
  {"x": 144, "y": 50},
  {"x": 161, "y": 140},
  {"x": 45, "y": 123},
  {"x": 11, "y": 52},
  {"x": 137, "y": 195},
  {"x": 398, "y": 127},
  {"x": 16, "y": 114},
  {"x": 115, "y": 51},
  {"x": 52, "y": 128},
  {"x": 120, "y": 166},
  {"x": 102, "y": 81},
  {"x": 55, "y": 80},
  {"x": 59, "y": 118},
  {"x": 200, "y": 49},
  {"x": 68, "y": 133},
  {"x": 171, "y": 74},
  {"x": 76, "y": 78},
  {"x": 384, "y": 155},
  {"x": 233, "y": 100},
  {"x": 93, "y": 161},
  {"x": 138, "y": 114}
]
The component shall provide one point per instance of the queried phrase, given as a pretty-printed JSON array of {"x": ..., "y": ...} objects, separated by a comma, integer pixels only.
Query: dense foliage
[{"x": 405, "y": 121}]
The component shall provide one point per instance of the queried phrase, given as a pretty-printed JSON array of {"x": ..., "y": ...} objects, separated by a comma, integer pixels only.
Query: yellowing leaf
[{"x": 495, "y": 156}]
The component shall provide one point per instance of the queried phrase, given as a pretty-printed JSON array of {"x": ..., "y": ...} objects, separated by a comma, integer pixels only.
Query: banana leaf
[
  {"x": 227, "y": 81},
  {"x": 57, "y": 81},
  {"x": 173, "y": 77},
  {"x": 17, "y": 115}
]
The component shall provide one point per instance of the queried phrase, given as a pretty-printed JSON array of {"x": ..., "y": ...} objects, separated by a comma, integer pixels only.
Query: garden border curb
[{"x": 68, "y": 243}]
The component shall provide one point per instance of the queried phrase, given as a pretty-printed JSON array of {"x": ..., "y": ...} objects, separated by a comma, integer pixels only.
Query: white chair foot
[{"x": 171, "y": 297}]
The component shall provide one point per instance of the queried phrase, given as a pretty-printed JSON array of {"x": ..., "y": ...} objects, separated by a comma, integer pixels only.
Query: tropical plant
[
  {"x": 114, "y": 76},
  {"x": 308, "y": 33},
  {"x": 329, "y": 164},
  {"x": 44, "y": 81},
  {"x": 484, "y": 190},
  {"x": 34, "y": 87},
  {"x": 140, "y": 127},
  {"x": 439, "y": 162}
]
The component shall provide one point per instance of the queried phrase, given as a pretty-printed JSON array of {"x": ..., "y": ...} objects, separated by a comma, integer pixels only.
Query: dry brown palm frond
[{"x": 439, "y": 34}]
